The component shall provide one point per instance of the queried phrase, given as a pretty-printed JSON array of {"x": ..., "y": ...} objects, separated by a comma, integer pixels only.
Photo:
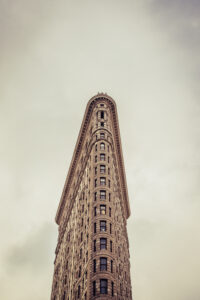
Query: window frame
[
  {"x": 103, "y": 243},
  {"x": 103, "y": 263},
  {"x": 104, "y": 286},
  {"x": 102, "y": 194},
  {"x": 102, "y": 209},
  {"x": 102, "y": 227},
  {"x": 102, "y": 181}
]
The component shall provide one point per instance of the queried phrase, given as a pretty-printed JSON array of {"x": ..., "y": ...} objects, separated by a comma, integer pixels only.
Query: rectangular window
[
  {"x": 95, "y": 211},
  {"x": 111, "y": 266},
  {"x": 102, "y": 114},
  {"x": 103, "y": 195},
  {"x": 103, "y": 243},
  {"x": 102, "y": 181},
  {"x": 94, "y": 265},
  {"x": 108, "y": 159},
  {"x": 103, "y": 286},
  {"x": 102, "y": 135},
  {"x": 102, "y": 124},
  {"x": 102, "y": 169},
  {"x": 79, "y": 291},
  {"x": 79, "y": 272},
  {"x": 102, "y": 209},
  {"x": 96, "y": 147},
  {"x": 103, "y": 264},
  {"x": 102, "y": 225},
  {"x": 95, "y": 196},
  {"x": 95, "y": 183},
  {"x": 110, "y": 228},
  {"x": 102, "y": 157},
  {"x": 95, "y": 227},
  {"x": 95, "y": 170},
  {"x": 109, "y": 211},
  {"x": 108, "y": 171},
  {"x": 112, "y": 288},
  {"x": 109, "y": 197},
  {"x": 95, "y": 159},
  {"x": 102, "y": 146},
  {"x": 108, "y": 183},
  {"x": 95, "y": 246},
  {"x": 110, "y": 246},
  {"x": 94, "y": 288}
]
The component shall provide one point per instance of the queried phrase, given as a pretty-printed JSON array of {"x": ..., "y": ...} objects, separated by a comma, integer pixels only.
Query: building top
[{"x": 79, "y": 145}]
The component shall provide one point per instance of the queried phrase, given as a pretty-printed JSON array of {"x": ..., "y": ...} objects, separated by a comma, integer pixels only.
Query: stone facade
[{"x": 92, "y": 254}]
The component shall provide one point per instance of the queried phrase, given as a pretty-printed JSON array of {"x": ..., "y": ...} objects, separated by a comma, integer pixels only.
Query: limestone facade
[{"x": 92, "y": 254}]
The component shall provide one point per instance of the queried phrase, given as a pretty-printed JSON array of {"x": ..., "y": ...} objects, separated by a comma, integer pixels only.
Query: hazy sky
[{"x": 56, "y": 55}]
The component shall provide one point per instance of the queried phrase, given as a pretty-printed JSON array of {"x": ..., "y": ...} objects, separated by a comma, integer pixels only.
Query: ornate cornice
[{"x": 80, "y": 141}]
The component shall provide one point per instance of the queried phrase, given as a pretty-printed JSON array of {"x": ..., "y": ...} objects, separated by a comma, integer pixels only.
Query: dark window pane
[
  {"x": 94, "y": 288},
  {"x": 103, "y": 243},
  {"x": 102, "y": 225},
  {"x": 103, "y": 195},
  {"x": 103, "y": 263},
  {"x": 103, "y": 286}
]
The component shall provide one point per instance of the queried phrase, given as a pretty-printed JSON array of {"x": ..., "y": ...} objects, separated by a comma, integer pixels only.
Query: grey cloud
[
  {"x": 180, "y": 18},
  {"x": 34, "y": 254}
]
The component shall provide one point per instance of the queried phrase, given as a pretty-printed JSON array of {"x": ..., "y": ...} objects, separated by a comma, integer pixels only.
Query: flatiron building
[{"x": 92, "y": 253}]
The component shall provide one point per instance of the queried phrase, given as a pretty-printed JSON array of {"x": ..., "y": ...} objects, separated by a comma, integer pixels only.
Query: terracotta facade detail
[{"x": 92, "y": 254}]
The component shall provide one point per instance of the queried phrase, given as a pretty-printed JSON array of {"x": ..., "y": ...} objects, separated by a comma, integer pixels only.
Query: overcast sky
[{"x": 56, "y": 55}]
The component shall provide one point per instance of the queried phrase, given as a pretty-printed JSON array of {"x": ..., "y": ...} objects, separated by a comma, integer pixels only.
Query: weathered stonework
[{"x": 92, "y": 254}]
